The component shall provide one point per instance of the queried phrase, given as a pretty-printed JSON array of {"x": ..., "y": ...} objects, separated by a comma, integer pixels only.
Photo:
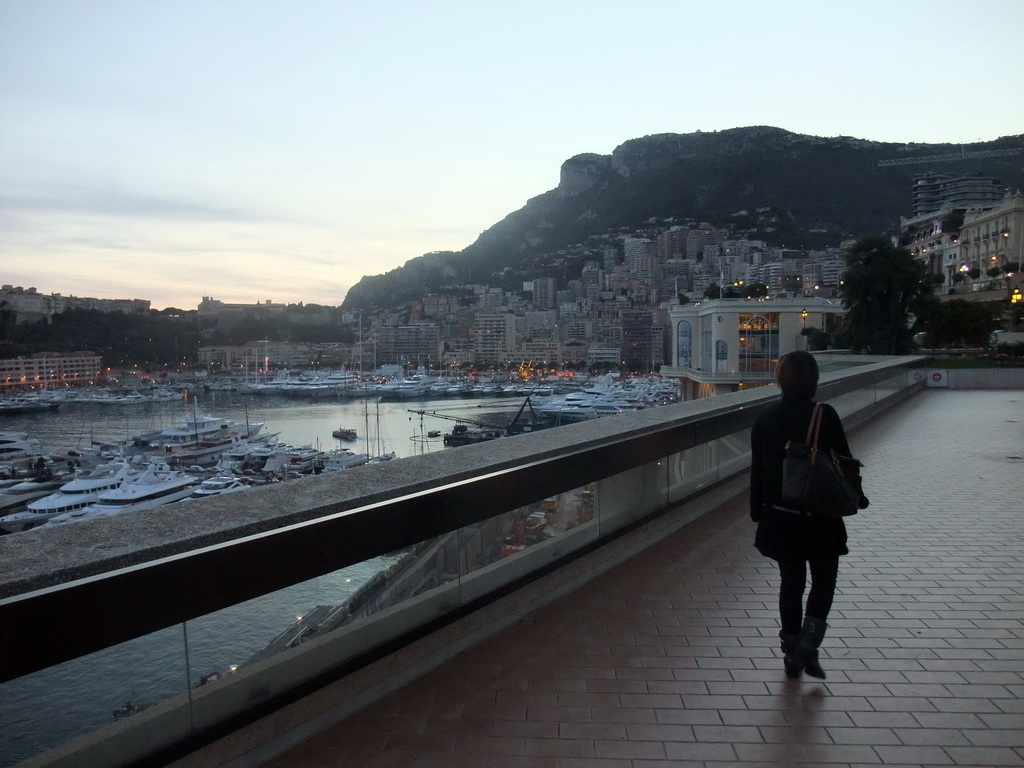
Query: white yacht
[
  {"x": 31, "y": 488},
  {"x": 16, "y": 447},
  {"x": 584, "y": 406},
  {"x": 20, "y": 494},
  {"x": 81, "y": 491},
  {"x": 200, "y": 439},
  {"x": 157, "y": 485},
  {"x": 301, "y": 460},
  {"x": 343, "y": 381},
  {"x": 402, "y": 389},
  {"x": 342, "y": 458},
  {"x": 215, "y": 486}
]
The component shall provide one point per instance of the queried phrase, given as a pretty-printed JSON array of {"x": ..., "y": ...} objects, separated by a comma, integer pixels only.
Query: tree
[
  {"x": 883, "y": 289},
  {"x": 817, "y": 339},
  {"x": 959, "y": 323}
]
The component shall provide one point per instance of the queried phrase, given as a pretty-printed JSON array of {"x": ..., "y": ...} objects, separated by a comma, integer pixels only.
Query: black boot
[
  {"x": 793, "y": 668},
  {"x": 804, "y": 655}
]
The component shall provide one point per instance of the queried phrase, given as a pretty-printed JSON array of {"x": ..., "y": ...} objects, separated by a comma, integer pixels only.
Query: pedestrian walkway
[{"x": 672, "y": 660}]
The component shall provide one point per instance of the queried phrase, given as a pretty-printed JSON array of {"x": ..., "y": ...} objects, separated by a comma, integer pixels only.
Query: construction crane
[
  {"x": 526, "y": 419},
  {"x": 947, "y": 158},
  {"x": 459, "y": 419}
]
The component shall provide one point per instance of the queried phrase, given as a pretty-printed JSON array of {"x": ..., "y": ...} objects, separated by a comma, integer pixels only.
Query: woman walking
[{"x": 794, "y": 540}]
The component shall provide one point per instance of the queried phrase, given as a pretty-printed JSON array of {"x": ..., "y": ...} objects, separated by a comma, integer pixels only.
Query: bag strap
[{"x": 814, "y": 427}]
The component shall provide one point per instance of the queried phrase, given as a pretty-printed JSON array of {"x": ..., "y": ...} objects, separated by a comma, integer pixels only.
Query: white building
[
  {"x": 726, "y": 345},
  {"x": 993, "y": 237}
]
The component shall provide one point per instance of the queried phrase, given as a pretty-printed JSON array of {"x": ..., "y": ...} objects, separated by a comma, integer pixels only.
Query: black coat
[{"x": 784, "y": 535}]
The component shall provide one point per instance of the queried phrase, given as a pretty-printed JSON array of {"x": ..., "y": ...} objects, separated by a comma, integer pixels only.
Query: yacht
[
  {"x": 157, "y": 485},
  {"x": 20, "y": 494},
  {"x": 584, "y": 406},
  {"x": 19, "y": 405},
  {"x": 200, "y": 440},
  {"x": 343, "y": 458},
  {"x": 27, "y": 489},
  {"x": 216, "y": 486},
  {"x": 81, "y": 491},
  {"x": 18, "y": 446},
  {"x": 402, "y": 389},
  {"x": 343, "y": 381},
  {"x": 301, "y": 460}
]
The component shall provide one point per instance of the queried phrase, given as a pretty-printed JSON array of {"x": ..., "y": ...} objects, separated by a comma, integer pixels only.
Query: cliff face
[
  {"x": 580, "y": 173},
  {"x": 821, "y": 190}
]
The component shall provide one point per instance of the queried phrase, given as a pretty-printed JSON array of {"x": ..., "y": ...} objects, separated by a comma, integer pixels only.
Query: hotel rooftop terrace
[
  {"x": 643, "y": 636},
  {"x": 671, "y": 658}
]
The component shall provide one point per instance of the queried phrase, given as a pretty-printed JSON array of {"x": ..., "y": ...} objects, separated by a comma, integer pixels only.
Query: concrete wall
[{"x": 974, "y": 378}]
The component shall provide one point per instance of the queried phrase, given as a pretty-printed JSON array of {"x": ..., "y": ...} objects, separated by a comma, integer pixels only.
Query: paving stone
[{"x": 673, "y": 658}]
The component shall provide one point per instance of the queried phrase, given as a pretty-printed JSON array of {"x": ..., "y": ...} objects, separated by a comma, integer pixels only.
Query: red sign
[{"x": 936, "y": 376}]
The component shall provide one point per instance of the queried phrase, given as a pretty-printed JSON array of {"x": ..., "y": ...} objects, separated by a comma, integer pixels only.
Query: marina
[{"x": 160, "y": 666}]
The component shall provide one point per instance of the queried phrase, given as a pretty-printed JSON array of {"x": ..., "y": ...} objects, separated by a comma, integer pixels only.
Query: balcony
[{"x": 572, "y": 647}]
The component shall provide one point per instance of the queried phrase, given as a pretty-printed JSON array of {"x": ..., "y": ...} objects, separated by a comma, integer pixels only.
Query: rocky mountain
[{"x": 819, "y": 191}]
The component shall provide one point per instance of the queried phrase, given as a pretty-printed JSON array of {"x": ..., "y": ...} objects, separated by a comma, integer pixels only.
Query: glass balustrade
[{"x": 153, "y": 691}]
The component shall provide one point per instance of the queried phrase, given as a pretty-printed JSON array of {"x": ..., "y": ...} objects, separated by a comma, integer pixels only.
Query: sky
[{"x": 272, "y": 150}]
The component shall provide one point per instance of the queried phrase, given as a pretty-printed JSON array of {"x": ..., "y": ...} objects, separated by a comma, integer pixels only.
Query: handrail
[{"x": 75, "y": 618}]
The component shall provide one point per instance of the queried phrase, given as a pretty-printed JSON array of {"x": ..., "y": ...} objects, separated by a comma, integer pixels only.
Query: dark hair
[{"x": 797, "y": 375}]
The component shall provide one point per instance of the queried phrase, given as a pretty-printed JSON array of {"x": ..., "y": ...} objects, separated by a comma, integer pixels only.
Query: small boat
[
  {"x": 463, "y": 434},
  {"x": 345, "y": 433},
  {"x": 128, "y": 708},
  {"x": 210, "y": 677}
]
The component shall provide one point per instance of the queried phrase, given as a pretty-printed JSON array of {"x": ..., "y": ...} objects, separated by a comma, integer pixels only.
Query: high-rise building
[
  {"x": 638, "y": 339},
  {"x": 495, "y": 336},
  {"x": 672, "y": 243},
  {"x": 933, "y": 190},
  {"x": 697, "y": 238},
  {"x": 544, "y": 293},
  {"x": 639, "y": 253},
  {"x": 592, "y": 278}
]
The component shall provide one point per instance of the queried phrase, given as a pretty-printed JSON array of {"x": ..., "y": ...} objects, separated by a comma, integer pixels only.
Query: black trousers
[{"x": 793, "y": 575}]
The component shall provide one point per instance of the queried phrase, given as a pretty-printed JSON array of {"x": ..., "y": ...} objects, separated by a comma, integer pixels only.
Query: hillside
[{"x": 820, "y": 190}]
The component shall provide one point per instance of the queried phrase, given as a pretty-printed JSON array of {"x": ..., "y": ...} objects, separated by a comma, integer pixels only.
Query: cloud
[{"x": 85, "y": 200}]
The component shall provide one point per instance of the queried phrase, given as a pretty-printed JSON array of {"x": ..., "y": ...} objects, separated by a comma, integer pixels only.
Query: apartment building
[
  {"x": 495, "y": 335},
  {"x": 992, "y": 237},
  {"x": 50, "y": 370}
]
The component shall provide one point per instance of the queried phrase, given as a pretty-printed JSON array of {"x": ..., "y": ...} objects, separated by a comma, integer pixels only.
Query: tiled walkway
[{"x": 671, "y": 660}]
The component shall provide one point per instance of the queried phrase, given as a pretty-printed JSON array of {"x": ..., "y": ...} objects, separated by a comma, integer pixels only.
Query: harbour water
[
  {"x": 50, "y": 707},
  {"x": 381, "y": 426}
]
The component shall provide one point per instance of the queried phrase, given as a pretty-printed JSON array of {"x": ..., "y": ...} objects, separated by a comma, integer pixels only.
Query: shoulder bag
[{"x": 817, "y": 482}]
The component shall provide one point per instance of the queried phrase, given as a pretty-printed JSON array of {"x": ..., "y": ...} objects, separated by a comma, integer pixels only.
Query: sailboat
[{"x": 381, "y": 455}]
